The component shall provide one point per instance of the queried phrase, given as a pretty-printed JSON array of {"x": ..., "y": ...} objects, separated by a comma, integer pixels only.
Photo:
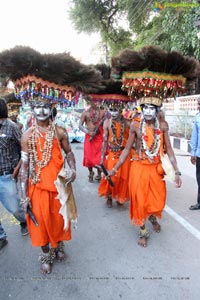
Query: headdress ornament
[
  {"x": 111, "y": 94},
  {"x": 51, "y": 77},
  {"x": 151, "y": 100},
  {"x": 153, "y": 74}
]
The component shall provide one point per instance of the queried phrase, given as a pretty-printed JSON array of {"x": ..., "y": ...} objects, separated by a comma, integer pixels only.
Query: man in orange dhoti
[
  {"x": 144, "y": 78},
  {"x": 116, "y": 131},
  {"x": 43, "y": 157},
  {"x": 147, "y": 189},
  {"x": 45, "y": 182}
]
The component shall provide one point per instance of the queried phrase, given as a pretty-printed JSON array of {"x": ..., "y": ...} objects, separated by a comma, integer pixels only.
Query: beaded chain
[
  {"x": 118, "y": 141},
  {"x": 151, "y": 151},
  {"x": 46, "y": 151}
]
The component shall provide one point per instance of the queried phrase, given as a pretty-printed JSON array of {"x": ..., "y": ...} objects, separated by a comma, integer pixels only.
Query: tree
[
  {"x": 172, "y": 30},
  {"x": 104, "y": 17},
  {"x": 135, "y": 24}
]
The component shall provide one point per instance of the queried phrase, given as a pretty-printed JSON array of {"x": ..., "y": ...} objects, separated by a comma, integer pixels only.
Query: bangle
[
  {"x": 22, "y": 200},
  {"x": 177, "y": 172},
  {"x": 114, "y": 170}
]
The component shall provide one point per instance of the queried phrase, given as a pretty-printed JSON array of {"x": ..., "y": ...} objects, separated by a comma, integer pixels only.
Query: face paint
[
  {"x": 114, "y": 113},
  {"x": 42, "y": 111},
  {"x": 149, "y": 112}
]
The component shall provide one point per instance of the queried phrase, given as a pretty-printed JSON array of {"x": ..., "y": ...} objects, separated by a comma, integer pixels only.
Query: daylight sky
[{"x": 44, "y": 26}]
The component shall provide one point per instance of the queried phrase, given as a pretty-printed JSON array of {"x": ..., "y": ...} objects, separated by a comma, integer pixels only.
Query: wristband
[
  {"x": 114, "y": 170},
  {"x": 178, "y": 173},
  {"x": 22, "y": 201}
]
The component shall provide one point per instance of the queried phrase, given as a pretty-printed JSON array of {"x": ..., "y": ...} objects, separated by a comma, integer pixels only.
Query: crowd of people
[
  {"x": 113, "y": 140},
  {"x": 67, "y": 119},
  {"x": 123, "y": 146}
]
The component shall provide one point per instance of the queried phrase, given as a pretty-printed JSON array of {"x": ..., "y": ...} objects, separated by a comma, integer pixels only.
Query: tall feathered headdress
[
  {"x": 112, "y": 93},
  {"x": 153, "y": 74},
  {"x": 55, "y": 77}
]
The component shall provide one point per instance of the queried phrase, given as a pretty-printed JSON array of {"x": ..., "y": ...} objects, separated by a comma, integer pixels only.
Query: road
[{"x": 103, "y": 258}]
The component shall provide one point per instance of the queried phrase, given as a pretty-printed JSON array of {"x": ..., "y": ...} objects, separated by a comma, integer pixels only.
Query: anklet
[{"x": 144, "y": 233}]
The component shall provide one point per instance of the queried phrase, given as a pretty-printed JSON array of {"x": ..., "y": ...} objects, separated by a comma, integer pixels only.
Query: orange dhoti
[
  {"x": 147, "y": 191},
  {"x": 45, "y": 206},
  {"x": 120, "y": 180},
  {"x": 46, "y": 210}
]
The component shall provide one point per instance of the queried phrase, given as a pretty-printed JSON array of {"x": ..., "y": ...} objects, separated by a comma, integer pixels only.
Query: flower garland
[
  {"x": 118, "y": 141},
  {"x": 152, "y": 151},
  {"x": 46, "y": 151}
]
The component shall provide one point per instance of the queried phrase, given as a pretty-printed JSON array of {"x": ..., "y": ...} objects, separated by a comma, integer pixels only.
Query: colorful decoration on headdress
[
  {"x": 31, "y": 87},
  {"x": 111, "y": 93},
  {"x": 110, "y": 98},
  {"x": 51, "y": 77},
  {"x": 152, "y": 84}
]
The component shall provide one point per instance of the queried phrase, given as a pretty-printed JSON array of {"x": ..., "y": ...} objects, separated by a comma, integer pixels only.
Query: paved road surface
[{"x": 103, "y": 258}]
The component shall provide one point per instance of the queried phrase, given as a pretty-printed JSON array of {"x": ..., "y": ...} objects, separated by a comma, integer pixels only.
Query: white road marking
[{"x": 183, "y": 222}]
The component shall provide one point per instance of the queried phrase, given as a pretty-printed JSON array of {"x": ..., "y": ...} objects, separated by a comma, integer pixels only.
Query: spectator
[
  {"x": 195, "y": 154},
  {"x": 10, "y": 136}
]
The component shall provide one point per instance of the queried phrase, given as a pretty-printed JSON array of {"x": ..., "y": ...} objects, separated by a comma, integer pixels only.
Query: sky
[{"x": 44, "y": 26}]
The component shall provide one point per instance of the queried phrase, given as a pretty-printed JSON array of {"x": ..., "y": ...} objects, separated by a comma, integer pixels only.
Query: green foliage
[
  {"x": 138, "y": 13},
  {"x": 94, "y": 15},
  {"x": 172, "y": 28},
  {"x": 104, "y": 17},
  {"x": 118, "y": 40}
]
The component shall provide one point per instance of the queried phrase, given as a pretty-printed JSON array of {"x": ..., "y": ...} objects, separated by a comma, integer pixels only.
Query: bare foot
[
  {"x": 142, "y": 242},
  {"x": 60, "y": 252},
  {"x": 109, "y": 202},
  {"x": 90, "y": 176},
  {"x": 98, "y": 177},
  {"x": 156, "y": 227},
  {"x": 45, "y": 268},
  {"x": 46, "y": 260},
  {"x": 60, "y": 256}
]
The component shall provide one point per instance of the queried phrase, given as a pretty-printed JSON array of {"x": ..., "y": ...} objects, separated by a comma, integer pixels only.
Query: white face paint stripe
[
  {"x": 149, "y": 112},
  {"x": 42, "y": 113},
  {"x": 183, "y": 222},
  {"x": 114, "y": 113}
]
